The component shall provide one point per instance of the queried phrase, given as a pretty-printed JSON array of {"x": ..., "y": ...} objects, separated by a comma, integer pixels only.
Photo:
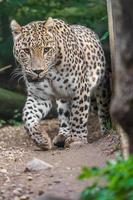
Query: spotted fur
[{"x": 65, "y": 63}]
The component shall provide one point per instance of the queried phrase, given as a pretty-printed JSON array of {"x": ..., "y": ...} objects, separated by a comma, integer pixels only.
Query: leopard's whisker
[
  {"x": 20, "y": 79},
  {"x": 15, "y": 75}
]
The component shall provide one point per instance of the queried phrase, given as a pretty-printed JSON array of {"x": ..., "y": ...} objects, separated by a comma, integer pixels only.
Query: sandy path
[{"x": 16, "y": 150}]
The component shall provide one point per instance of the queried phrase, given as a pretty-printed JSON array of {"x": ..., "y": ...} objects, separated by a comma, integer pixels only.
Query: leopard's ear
[
  {"x": 15, "y": 28},
  {"x": 49, "y": 24}
]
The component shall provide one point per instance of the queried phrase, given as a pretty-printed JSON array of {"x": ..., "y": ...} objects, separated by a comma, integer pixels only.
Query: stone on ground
[{"x": 37, "y": 165}]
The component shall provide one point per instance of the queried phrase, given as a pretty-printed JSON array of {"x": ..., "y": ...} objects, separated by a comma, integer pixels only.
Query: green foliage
[
  {"x": 105, "y": 36},
  {"x": 2, "y": 123},
  {"x": 112, "y": 182},
  {"x": 16, "y": 120},
  {"x": 91, "y": 13},
  {"x": 10, "y": 101}
]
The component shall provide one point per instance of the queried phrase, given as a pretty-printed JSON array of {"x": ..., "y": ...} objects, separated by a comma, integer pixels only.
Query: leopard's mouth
[{"x": 34, "y": 79}]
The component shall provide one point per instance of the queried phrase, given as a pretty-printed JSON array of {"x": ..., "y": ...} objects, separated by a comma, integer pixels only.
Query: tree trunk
[
  {"x": 122, "y": 104},
  {"x": 112, "y": 37}
]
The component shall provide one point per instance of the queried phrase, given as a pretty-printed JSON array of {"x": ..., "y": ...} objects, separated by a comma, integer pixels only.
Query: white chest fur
[{"x": 53, "y": 87}]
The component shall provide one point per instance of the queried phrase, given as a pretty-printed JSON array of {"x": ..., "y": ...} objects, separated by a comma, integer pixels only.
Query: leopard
[{"x": 65, "y": 64}]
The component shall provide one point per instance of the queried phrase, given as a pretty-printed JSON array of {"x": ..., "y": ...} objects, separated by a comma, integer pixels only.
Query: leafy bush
[
  {"x": 17, "y": 118},
  {"x": 112, "y": 182},
  {"x": 2, "y": 122}
]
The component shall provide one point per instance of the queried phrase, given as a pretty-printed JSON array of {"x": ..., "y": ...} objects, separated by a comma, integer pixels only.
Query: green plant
[
  {"x": 2, "y": 122},
  {"x": 105, "y": 35},
  {"x": 112, "y": 182},
  {"x": 16, "y": 120}
]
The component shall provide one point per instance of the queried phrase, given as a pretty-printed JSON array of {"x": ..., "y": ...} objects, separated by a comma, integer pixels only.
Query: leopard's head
[{"x": 35, "y": 48}]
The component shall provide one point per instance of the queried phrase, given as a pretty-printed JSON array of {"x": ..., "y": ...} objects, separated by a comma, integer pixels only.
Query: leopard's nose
[{"x": 38, "y": 71}]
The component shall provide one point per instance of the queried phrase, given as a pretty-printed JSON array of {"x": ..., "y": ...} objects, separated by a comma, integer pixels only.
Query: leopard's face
[{"x": 34, "y": 48}]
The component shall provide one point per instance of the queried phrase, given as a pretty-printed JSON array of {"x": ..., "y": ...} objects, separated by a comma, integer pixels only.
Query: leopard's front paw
[
  {"x": 40, "y": 136},
  {"x": 59, "y": 140},
  {"x": 63, "y": 141},
  {"x": 43, "y": 142},
  {"x": 68, "y": 141}
]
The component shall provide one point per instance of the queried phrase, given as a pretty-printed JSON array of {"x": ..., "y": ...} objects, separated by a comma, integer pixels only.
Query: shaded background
[{"x": 91, "y": 13}]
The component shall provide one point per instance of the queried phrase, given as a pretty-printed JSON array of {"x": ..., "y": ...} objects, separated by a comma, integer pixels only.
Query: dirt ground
[{"x": 16, "y": 149}]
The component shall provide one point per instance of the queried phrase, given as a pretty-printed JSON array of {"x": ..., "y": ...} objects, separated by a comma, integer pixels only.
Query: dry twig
[{"x": 5, "y": 68}]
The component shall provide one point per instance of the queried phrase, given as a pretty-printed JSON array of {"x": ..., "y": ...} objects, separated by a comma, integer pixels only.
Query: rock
[
  {"x": 29, "y": 178},
  {"x": 76, "y": 145},
  {"x": 57, "y": 181},
  {"x": 4, "y": 171},
  {"x": 16, "y": 198},
  {"x": 40, "y": 192},
  {"x": 17, "y": 192},
  {"x": 37, "y": 165},
  {"x": 68, "y": 168},
  {"x": 7, "y": 181},
  {"x": 13, "y": 185},
  {"x": 2, "y": 191},
  {"x": 24, "y": 197}
]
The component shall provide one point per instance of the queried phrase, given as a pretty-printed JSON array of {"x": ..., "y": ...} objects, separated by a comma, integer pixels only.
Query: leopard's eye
[
  {"x": 46, "y": 49},
  {"x": 26, "y": 50}
]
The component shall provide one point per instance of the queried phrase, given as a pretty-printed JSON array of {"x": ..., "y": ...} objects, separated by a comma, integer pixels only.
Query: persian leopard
[{"x": 65, "y": 63}]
